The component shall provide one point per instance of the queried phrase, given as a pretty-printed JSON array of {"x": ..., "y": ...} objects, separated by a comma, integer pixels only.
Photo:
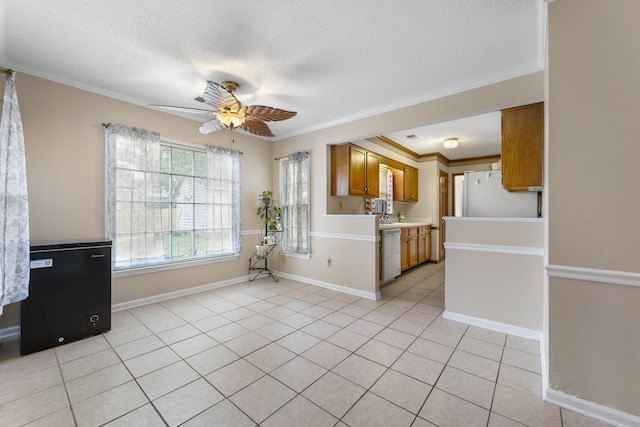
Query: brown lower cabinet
[{"x": 415, "y": 246}]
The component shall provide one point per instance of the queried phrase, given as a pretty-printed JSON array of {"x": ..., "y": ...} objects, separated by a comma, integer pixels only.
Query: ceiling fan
[{"x": 230, "y": 113}]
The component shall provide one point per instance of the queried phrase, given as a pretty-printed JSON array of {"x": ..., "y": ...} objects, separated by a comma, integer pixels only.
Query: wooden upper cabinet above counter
[
  {"x": 523, "y": 147},
  {"x": 405, "y": 184},
  {"x": 355, "y": 172}
]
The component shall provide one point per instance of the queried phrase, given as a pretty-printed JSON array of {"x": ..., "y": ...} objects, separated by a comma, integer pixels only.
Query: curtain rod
[
  {"x": 175, "y": 141},
  {"x": 284, "y": 157},
  {"x": 7, "y": 71}
]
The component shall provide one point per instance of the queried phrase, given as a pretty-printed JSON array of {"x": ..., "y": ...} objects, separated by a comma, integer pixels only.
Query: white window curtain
[
  {"x": 133, "y": 196},
  {"x": 223, "y": 197},
  {"x": 295, "y": 203},
  {"x": 14, "y": 219}
]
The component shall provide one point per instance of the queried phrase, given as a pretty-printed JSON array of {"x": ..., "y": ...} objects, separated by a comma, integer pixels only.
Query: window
[
  {"x": 295, "y": 203},
  {"x": 169, "y": 202}
]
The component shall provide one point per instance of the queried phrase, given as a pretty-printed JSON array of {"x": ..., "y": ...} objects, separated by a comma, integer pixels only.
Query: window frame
[
  {"x": 284, "y": 184},
  {"x": 172, "y": 262}
]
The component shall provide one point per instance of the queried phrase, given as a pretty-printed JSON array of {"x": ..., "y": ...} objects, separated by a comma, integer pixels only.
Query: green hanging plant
[{"x": 268, "y": 211}]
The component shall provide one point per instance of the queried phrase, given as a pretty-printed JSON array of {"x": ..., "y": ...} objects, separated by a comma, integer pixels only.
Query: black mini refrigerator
[{"x": 69, "y": 293}]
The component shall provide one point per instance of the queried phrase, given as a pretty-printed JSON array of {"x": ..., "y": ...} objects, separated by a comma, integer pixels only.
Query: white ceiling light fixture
[{"x": 450, "y": 143}]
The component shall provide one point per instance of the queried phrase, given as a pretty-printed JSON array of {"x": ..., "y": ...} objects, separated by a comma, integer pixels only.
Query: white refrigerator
[{"x": 484, "y": 196}]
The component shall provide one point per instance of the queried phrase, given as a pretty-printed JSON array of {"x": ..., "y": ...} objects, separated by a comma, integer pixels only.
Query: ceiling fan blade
[
  {"x": 256, "y": 127},
  {"x": 220, "y": 98},
  {"x": 183, "y": 109},
  {"x": 268, "y": 114},
  {"x": 211, "y": 126}
]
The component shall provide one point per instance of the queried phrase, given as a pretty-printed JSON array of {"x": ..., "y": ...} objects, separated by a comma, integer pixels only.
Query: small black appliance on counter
[{"x": 69, "y": 293}]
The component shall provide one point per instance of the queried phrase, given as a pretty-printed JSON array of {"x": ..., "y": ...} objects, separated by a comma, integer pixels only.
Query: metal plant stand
[{"x": 259, "y": 261}]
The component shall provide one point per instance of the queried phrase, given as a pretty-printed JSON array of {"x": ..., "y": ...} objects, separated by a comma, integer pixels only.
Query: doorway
[
  {"x": 443, "y": 210},
  {"x": 458, "y": 193}
]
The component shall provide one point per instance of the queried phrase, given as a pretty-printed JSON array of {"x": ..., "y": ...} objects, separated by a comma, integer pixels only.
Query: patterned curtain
[
  {"x": 14, "y": 219},
  {"x": 223, "y": 200},
  {"x": 133, "y": 196},
  {"x": 389, "y": 210},
  {"x": 295, "y": 209}
]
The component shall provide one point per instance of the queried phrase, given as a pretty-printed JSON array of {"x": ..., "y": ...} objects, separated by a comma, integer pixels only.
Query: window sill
[
  {"x": 295, "y": 255},
  {"x": 171, "y": 266}
]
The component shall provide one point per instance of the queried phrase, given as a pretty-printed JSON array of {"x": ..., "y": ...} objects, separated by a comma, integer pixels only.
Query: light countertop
[{"x": 402, "y": 225}]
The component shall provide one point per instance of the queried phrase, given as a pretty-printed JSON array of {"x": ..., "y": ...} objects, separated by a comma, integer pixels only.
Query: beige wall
[
  {"x": 593, "y": 93},
  {"x": 64, "y": 141},
  {"x": 64, "y": 145},
  {"x": 494, "y": 273}
]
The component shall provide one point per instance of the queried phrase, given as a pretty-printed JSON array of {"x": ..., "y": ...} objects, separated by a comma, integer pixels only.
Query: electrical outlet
[
  {"x": 329, "y": 262},
  {"x": 340, "y": 206}
]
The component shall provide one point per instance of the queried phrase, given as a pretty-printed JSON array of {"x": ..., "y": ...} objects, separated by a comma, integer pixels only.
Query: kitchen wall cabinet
[
  {"x": 522, "y": 147},
  {"x": 415, "y": 246},
  {"x": 405, "y": 184},
  {"x": 354, "y": 171},
  {"x": 410, "y": 184}
]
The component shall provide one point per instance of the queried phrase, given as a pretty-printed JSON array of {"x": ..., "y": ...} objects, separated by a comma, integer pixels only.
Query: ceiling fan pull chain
[{"x": 231, "y": 139}]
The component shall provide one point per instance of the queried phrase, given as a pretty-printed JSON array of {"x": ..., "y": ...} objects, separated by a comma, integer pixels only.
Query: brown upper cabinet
[
  {"x": 354, "y": 171},
  {"x": 523, "y": 147},
  {"x": 405, "y": 184},
  {"x": 410, "y": 184}
]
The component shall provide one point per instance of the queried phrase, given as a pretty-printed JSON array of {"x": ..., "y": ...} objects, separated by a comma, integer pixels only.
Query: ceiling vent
[{"x": 412, "y": 136}]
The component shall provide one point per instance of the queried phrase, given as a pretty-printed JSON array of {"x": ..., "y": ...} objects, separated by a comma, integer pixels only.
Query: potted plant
[{"x": 269, "y": 212}]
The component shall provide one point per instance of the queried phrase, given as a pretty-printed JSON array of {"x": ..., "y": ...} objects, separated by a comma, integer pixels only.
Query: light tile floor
[{"x": 284, "y": 354}]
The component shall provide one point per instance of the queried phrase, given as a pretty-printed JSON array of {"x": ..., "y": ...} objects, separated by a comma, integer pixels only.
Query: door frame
[
  {"x": 443, "y": 210},
  {"x": 455, "y": 191}
]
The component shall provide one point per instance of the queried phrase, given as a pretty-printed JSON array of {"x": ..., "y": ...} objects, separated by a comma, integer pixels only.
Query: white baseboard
[
  {"x": 544, "y": 363},
  {"x": 209, "y": 286},
  {"x": 495, "y": 326},
  {"x": 593, "y": 410},
  {"x": 15, "y": 330},
  {"x": 355, "y": 292},
  {"x": 176, "y": 294}
]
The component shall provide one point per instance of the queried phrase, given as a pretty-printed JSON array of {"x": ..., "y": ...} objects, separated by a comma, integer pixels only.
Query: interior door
[{"x": 444, "y": 210}]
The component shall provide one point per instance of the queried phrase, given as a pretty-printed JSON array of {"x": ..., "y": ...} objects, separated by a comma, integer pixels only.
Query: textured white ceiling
[
  {"x": 330, "y": 60},
  {"x": 477, "y": 136}
]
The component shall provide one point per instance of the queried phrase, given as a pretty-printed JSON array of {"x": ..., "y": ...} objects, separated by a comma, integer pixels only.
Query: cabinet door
[
  {"x": 428, "y": 244},
  {"x": 422, "y": 244},
  {"x": 410, "y": 184},
  {"x": 413, "y": 251},
  {"x": 404, "y": 249},
  {"x": 373, "y": 175},
  {"x": 357, "y": 171},
  {"x": 522, "y": 147}
]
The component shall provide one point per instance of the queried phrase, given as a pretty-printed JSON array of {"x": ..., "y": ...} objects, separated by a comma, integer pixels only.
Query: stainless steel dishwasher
[{"x": 390, "y": 254}]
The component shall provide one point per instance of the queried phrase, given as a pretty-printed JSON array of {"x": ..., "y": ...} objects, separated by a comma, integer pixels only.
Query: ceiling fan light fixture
[
  {"x": 229, "y": 112},
  {"x": 231, "y": 119},
  {"x": 450, "y": 143}
]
